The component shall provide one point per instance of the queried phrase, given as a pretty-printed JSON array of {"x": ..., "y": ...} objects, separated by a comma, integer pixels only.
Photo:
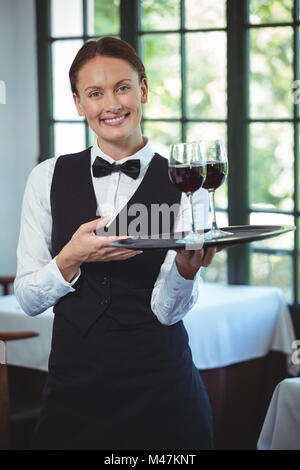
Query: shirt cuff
[
  {"x": 60, "y": 278},
  {"x": 175, "y": 282}
]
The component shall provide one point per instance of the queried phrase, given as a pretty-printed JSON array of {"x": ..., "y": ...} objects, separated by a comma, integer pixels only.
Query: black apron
[{"x": 118, "y": 378}]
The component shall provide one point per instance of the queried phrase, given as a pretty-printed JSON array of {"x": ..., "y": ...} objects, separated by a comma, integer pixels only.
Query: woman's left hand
[{"x": 188, "y": 262}]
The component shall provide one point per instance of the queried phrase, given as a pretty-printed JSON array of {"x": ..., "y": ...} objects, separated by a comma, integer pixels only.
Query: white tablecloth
[
  {"x": 33, "y": 352},
  {"x": 229, "y": 324},
  {"x": 281, "y": 429}
]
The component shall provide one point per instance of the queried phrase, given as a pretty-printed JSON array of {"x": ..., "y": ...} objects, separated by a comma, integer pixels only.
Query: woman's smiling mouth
[{"x": 115, "y": 121}]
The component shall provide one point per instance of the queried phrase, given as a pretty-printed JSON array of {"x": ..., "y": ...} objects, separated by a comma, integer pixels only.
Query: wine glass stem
[
  {"x": 190, "y": 197},
  {"x": 213, "y": 210}
]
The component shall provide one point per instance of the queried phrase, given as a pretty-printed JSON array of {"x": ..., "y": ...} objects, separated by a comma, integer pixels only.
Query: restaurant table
[
  {"x": 241, "y": 341},
  {"x": 281, "y": 428}
]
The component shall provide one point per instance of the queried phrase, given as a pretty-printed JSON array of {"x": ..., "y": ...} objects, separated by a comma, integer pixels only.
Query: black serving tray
[{"x": 241, "y": 234}]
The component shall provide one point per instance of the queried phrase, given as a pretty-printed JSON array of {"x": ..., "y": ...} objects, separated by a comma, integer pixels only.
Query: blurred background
[{"x": 221, "y": 69}]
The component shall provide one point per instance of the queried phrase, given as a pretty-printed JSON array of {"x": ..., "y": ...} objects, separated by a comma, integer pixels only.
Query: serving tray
[{"x": 241, "y": 234}]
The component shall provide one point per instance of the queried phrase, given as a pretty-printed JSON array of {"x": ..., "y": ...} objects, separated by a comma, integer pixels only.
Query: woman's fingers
[
  {"x": 203, "y": 256},
  {"x": 110, "y": 253},
  {"x": 90, "y": 227},
  {"x": 118, "y": 256},
  {"x": 209, "y": 254}
]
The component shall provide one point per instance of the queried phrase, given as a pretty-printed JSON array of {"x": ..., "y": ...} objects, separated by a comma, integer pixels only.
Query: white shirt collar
[{"x": 145, "y": 154}]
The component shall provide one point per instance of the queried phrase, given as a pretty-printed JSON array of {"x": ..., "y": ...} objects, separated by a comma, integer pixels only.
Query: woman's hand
[
  {"x": 86, "y": 246},
  {"x": 188, "y": 262}
]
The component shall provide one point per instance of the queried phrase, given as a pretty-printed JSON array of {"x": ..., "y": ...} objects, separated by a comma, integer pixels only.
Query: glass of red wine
[
  {"x": 187, "y": 171},
  {"x": 215, "y": 159}
]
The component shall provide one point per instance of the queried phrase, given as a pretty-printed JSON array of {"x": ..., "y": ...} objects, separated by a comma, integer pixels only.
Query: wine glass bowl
[
  {"x": 187, "y": 171},
  {"x": 215, "y": 159}
]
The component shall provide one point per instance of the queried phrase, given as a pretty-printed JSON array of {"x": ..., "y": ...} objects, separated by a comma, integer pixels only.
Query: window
[
  {"x": 273, "y": 139},
  {"x": 222, "y": 68},
  {"x": 70, "y": 24},
  {"x": 183, "y": 46}
]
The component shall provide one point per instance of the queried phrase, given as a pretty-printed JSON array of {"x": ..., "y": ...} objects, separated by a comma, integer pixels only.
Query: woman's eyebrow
[{"x": 96, "y": 87}]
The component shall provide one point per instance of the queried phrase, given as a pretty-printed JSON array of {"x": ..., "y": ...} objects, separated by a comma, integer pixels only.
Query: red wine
[
  {"x": 187, "y": 178},
  {"x": 215, "y": 174}
]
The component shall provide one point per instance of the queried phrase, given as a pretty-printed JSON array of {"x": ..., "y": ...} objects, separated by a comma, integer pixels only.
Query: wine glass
[
  {"x": 216, "y": 171},
  {"x": 187, "y": 171}
]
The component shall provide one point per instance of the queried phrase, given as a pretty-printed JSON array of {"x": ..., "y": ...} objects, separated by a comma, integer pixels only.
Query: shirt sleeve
[
  {"x": 173, "y": 295},
  {"x": 39, "y": 283}
]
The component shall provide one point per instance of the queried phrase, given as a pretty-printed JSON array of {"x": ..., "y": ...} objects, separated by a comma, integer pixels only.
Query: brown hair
[{"x": 109, "y": 47}]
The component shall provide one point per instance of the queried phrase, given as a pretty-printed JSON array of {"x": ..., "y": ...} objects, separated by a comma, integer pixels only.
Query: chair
[
  {"x": 4, "y": 396},
  {"x": 5, "y": 281}
]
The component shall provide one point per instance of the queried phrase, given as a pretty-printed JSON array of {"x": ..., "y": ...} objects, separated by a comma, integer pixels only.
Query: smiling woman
[
  {"x": 109, "y": 86},
  {"x": 121, "y": 374},
  {"x": 110, "y": 96}
]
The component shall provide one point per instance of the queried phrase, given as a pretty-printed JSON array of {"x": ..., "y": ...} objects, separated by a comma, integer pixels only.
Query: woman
[{"x": 121, "y": 374}]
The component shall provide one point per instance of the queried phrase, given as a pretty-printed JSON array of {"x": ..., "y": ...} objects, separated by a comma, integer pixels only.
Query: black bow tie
[{"x": 103, "y": 168}]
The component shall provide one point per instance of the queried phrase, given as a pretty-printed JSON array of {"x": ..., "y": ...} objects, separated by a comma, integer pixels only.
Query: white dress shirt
[{"x": 39, "y": 283}]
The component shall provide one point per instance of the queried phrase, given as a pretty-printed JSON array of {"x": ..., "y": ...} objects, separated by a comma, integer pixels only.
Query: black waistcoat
[{"x": 120, "y": 290}]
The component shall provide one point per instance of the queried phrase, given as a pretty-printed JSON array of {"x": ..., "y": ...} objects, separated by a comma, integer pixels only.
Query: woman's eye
[
  {"x": 95, "y": 94},
  {"x": 124, "y": 88}
]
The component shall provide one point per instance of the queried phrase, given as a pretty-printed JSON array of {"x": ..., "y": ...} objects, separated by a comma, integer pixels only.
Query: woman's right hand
[{"x": 86, "y": 246}]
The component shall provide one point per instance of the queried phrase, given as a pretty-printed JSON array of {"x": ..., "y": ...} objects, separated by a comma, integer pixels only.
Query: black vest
[{"x": 120, "y": 290}]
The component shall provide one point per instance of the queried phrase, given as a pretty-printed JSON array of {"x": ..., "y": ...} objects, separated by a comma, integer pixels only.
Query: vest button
[
  {"x": 104, "y": 302},
  {"x": 104, "y": 281}
]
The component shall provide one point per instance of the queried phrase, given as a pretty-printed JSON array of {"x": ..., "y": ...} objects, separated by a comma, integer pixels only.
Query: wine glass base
[
  {"x": 217, "y": 233},
  {"x": 192, "y": 241}
]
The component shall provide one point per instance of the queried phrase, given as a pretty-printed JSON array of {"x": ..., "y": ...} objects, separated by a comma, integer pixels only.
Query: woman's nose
[
  {"x": 112, "y": 105},
  {"x": 115, "y": 108}
]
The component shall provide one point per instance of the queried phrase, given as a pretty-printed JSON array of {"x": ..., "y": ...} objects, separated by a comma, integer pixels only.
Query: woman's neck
[{"x": 117, "y": 150}]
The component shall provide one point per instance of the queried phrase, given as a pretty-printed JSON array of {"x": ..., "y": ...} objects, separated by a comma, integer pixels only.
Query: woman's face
[{"x": 111, "y": 97}]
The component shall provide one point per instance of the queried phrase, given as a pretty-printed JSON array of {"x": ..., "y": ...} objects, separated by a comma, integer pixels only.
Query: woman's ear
[
  {"x": 144, "y": 91},
  {"x": 78, "y": 105}
]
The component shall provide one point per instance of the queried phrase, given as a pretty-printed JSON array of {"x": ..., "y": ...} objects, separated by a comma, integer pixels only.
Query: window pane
[
  {"x": 63, "y": 54},
  {"x": 203, "y": 130},
  {"x": 163, "y": 71},
  {"x": 162, "y": 135},
  {"x": 271, "y": 182},
  {"x": 207, "y": 130},
  {"x": 205, "y": 14},
  {"x": 92, "y": 137},
  {"x": 285, "y": 241},
  {"x": 103, "y": 17},
  {"x": 270, "y": 11},
  {"x": 158, "y": 15},
  {"x": 66, "y": 18},
  {"x": 69, "y": 138},
  {"x": 217, "y": 271},
  {"x": 271, "y": 72},
  {"x": 272, "y": 270},
  {"x": 206, "y": 75}
]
